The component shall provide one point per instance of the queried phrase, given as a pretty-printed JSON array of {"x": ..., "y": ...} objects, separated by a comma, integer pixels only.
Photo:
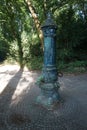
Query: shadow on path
[{"x": 6, "y": 95}]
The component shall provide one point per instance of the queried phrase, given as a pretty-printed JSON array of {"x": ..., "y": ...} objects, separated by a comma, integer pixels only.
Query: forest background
[{"x": 21, "y": 38}]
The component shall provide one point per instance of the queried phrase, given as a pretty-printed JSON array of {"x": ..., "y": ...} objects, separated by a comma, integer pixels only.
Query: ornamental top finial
[
  {"x": 49, "y": 21},
  {"x": 49, "y": 16}
]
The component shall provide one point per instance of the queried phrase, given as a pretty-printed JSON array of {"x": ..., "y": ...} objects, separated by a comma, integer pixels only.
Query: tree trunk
[
  {"x": 20, "y": 53},
  {"x": 36, "y": 20}
]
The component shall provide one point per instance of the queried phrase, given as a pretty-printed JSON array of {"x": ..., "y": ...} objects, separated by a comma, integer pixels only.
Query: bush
[
  {"x": 35, "y": 63},
  {"x": 4, "y": 50},
  {"x": 73, "y": 67}
]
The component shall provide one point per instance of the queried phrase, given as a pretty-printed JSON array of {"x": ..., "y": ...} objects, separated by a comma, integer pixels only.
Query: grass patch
[
  {"x": 35, "y": 63},
  {"x": 73, "y": 67}
]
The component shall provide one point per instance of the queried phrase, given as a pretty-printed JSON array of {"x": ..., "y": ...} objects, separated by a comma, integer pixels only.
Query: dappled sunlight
[
  {"x": 63, "y": 81},
  {"x": 22, "y": 88},
  {"x": 62, "y": 86},
  {"x": 15, "y": 83},
  {"x": 6, "y": 73},
  {"x": 6, "y": 68},
  {"x": 4, "y": 79}
]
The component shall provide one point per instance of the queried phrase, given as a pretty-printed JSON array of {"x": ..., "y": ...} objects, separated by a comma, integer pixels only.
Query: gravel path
[{"x": 18, "y": 110}]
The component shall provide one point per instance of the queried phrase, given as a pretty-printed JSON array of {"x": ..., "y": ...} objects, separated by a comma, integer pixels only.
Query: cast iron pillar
[{"x": 48, "y": 81}]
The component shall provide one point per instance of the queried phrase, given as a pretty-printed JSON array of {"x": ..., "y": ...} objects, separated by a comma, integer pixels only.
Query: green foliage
[
  {"x": 14, "y": 50},
  {"x": 17, "y": 27},
  {"x": 71, "y": 33},
  {"x": 4, "y": 50},
  {"x": 35, "y": 63},
  {"x": 73, "y": 67},
  {"x": 78, "y": 64}
]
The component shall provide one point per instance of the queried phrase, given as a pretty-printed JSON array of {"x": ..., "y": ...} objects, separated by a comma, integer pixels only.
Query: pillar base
[{"x": 49, "y": 95}]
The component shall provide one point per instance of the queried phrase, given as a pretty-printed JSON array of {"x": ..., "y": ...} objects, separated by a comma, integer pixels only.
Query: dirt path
[{"x": 18, "y": 94}]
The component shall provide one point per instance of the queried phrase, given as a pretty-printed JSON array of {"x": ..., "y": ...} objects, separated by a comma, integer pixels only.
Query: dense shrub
[{"x": 4, "y": 50}]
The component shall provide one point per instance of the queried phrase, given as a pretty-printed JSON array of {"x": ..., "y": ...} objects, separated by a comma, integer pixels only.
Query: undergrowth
[{"x": 36, "y": 63}]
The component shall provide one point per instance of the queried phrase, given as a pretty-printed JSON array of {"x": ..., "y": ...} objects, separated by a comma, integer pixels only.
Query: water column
[{"x": 48, "y": 81}]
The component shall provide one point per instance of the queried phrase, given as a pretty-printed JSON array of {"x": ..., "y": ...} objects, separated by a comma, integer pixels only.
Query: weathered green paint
[{"x": 48, "y": 81}]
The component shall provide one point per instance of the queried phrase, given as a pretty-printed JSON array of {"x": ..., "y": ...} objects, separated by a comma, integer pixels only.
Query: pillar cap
[{"x": 49, "y": 22}]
